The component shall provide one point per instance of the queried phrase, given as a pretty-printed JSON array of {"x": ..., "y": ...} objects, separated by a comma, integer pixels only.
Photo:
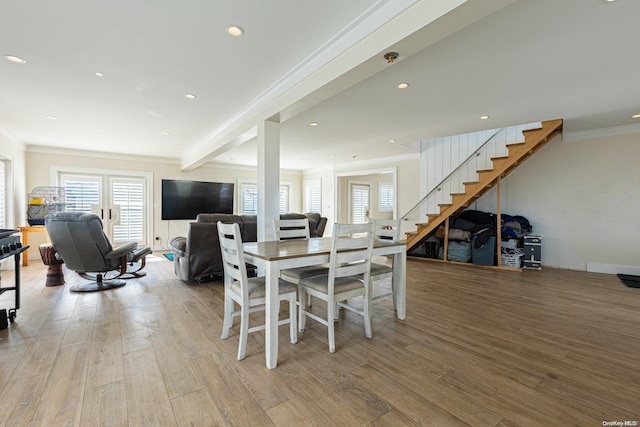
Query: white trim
[
  {"x": 247, "y": 168},
  {"x": 600, "y": 133},
  {"x": 99, "y": 154},
  {"x": 148, "y": 159},
  {"x": 376, "y": 162},
  {"x": 594, "y": 267},
  {"x": 5, "y": 132}
]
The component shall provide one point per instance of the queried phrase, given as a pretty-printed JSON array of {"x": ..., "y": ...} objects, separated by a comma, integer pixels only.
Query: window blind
[
  {"x": 386, "y": 199},
  {"x": 312, "y": 195},
  {"x": 129, "y": 196},
  {"x": 360, "y": 203},
  {"x": 250, "y": 199},
  {"x": 3, "y": 196},
  {"x": 81, "y": 195}
]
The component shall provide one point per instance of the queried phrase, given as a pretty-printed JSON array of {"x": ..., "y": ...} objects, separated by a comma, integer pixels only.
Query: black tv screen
[{"x": 187, "y": 199}]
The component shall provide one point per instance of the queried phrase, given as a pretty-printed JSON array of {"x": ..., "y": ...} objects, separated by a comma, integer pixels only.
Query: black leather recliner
[{"x": 80, "y": 242}]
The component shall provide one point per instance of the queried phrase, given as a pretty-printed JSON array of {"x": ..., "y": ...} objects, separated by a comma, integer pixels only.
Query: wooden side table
[{"x": 25, "y": 239}]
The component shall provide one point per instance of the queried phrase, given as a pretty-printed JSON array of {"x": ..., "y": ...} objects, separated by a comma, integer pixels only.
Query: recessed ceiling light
[
  {"x": 165, "y": 133},
  {"x": 99, "y": 74},
  {"x": 403, "y": 85},
  {"x": 636, "y": 116},
  {"x": 235, "y": 30},
  {"x": 484, "y": 117},
  {"x": 51, "y": 117},
  {"x": 190, "y": 96},
  {"x": 314, "y": 124},
  {"x": 392, "y": 141},
  {"x": 15, "y": 59}
]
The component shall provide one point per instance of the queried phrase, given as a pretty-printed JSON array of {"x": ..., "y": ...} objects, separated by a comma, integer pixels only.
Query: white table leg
[
  {"x": 272, "y": 307},
  {"x": 400, "y": 283}
]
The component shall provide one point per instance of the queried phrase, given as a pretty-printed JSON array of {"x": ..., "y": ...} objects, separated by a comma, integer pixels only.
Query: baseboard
[{"x": 612, "y": 269}]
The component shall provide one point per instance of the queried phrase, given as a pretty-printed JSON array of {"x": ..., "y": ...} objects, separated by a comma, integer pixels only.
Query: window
[
  {"x": 249, "y": 199},
  {"x": 121, "y": 202},
  {"x": 313, "y": 195},
  {"x": 82, "y": 193},
  {"x": 359, "y": 203},
  {"x": 129, "y": 197},
  {"x": 284, "y": 199},
  {"x": 385, "y": 197},
  {"x": 3, "y": 196}
]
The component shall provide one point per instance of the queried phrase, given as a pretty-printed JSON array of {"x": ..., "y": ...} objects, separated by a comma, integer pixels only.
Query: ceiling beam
[{"x": 351, "y": 57}]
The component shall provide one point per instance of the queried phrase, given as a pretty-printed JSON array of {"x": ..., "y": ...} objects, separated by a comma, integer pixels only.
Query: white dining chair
[
  {"x": 248, "y": 293},
  {"x": 385, "y": 229},
  {"x": 297, "y": 229},
  {"x": 348, "y": 277}
]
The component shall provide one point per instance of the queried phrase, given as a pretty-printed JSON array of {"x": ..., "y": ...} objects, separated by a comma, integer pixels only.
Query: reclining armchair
[{"x": 80, "y": 242}]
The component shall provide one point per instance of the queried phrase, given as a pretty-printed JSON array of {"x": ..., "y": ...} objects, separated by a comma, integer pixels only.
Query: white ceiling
[{"x": 308, "y": 62}]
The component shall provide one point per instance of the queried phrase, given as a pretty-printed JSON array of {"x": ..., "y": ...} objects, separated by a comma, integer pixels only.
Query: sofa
[{"x": 197, "y": 256}]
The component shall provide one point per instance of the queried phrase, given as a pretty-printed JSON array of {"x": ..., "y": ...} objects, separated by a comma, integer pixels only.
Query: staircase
[{"x": 534, "y": 139}]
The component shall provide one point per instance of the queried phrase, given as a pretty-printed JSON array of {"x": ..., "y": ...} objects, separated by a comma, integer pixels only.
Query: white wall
[
  {"x": 39, "y": 165},
  {"x": 583, "y": 197}
]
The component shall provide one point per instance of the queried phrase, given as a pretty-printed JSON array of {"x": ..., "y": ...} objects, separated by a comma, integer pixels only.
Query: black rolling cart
[{"x": 11, "y": 246}]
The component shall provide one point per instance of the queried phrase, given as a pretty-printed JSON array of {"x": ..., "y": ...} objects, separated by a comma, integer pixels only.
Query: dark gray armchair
[{"x": 80, "y": 242}]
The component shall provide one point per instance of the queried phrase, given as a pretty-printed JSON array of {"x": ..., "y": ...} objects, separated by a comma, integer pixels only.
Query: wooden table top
[{"x": 295, "y": 248}]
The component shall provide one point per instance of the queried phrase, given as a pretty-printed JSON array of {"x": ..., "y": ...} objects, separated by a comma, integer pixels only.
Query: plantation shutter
[
  {"x": 360, "y": 203},
  {"x": 312, "y": 196},
  {"x": 3, "y": 196},
  {"x": 128, "y": 195},
  {"x": 385, "y": 198},
  {"x": 250, "y": 199},
  {"x": 284, "y": 199},
  {"x": 82, "y": 194}
]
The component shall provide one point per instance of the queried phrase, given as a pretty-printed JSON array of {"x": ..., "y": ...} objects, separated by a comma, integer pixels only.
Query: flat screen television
[{"x": 186, "y": 199}]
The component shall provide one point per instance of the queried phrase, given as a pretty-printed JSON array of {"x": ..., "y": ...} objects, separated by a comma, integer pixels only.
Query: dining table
[{"x": 274, "y": 256}]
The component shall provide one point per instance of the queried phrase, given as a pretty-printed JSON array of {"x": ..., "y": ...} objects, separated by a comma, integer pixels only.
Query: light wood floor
[{"x": 478, "y": 347}]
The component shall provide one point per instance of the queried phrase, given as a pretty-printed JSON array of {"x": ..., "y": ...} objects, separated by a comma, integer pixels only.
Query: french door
[{"x": 120, "y": 200}]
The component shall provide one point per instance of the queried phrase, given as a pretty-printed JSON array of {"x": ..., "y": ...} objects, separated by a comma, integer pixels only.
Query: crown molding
[
  {"x": 4, "y": 132},
  {"x": 376, "y": 162},
  {"x": 100, "y": 154},
  {"x": 246, "y": 168},
  {"x": 600, "y": 133},
  {"x": 148, "y": 159}
]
